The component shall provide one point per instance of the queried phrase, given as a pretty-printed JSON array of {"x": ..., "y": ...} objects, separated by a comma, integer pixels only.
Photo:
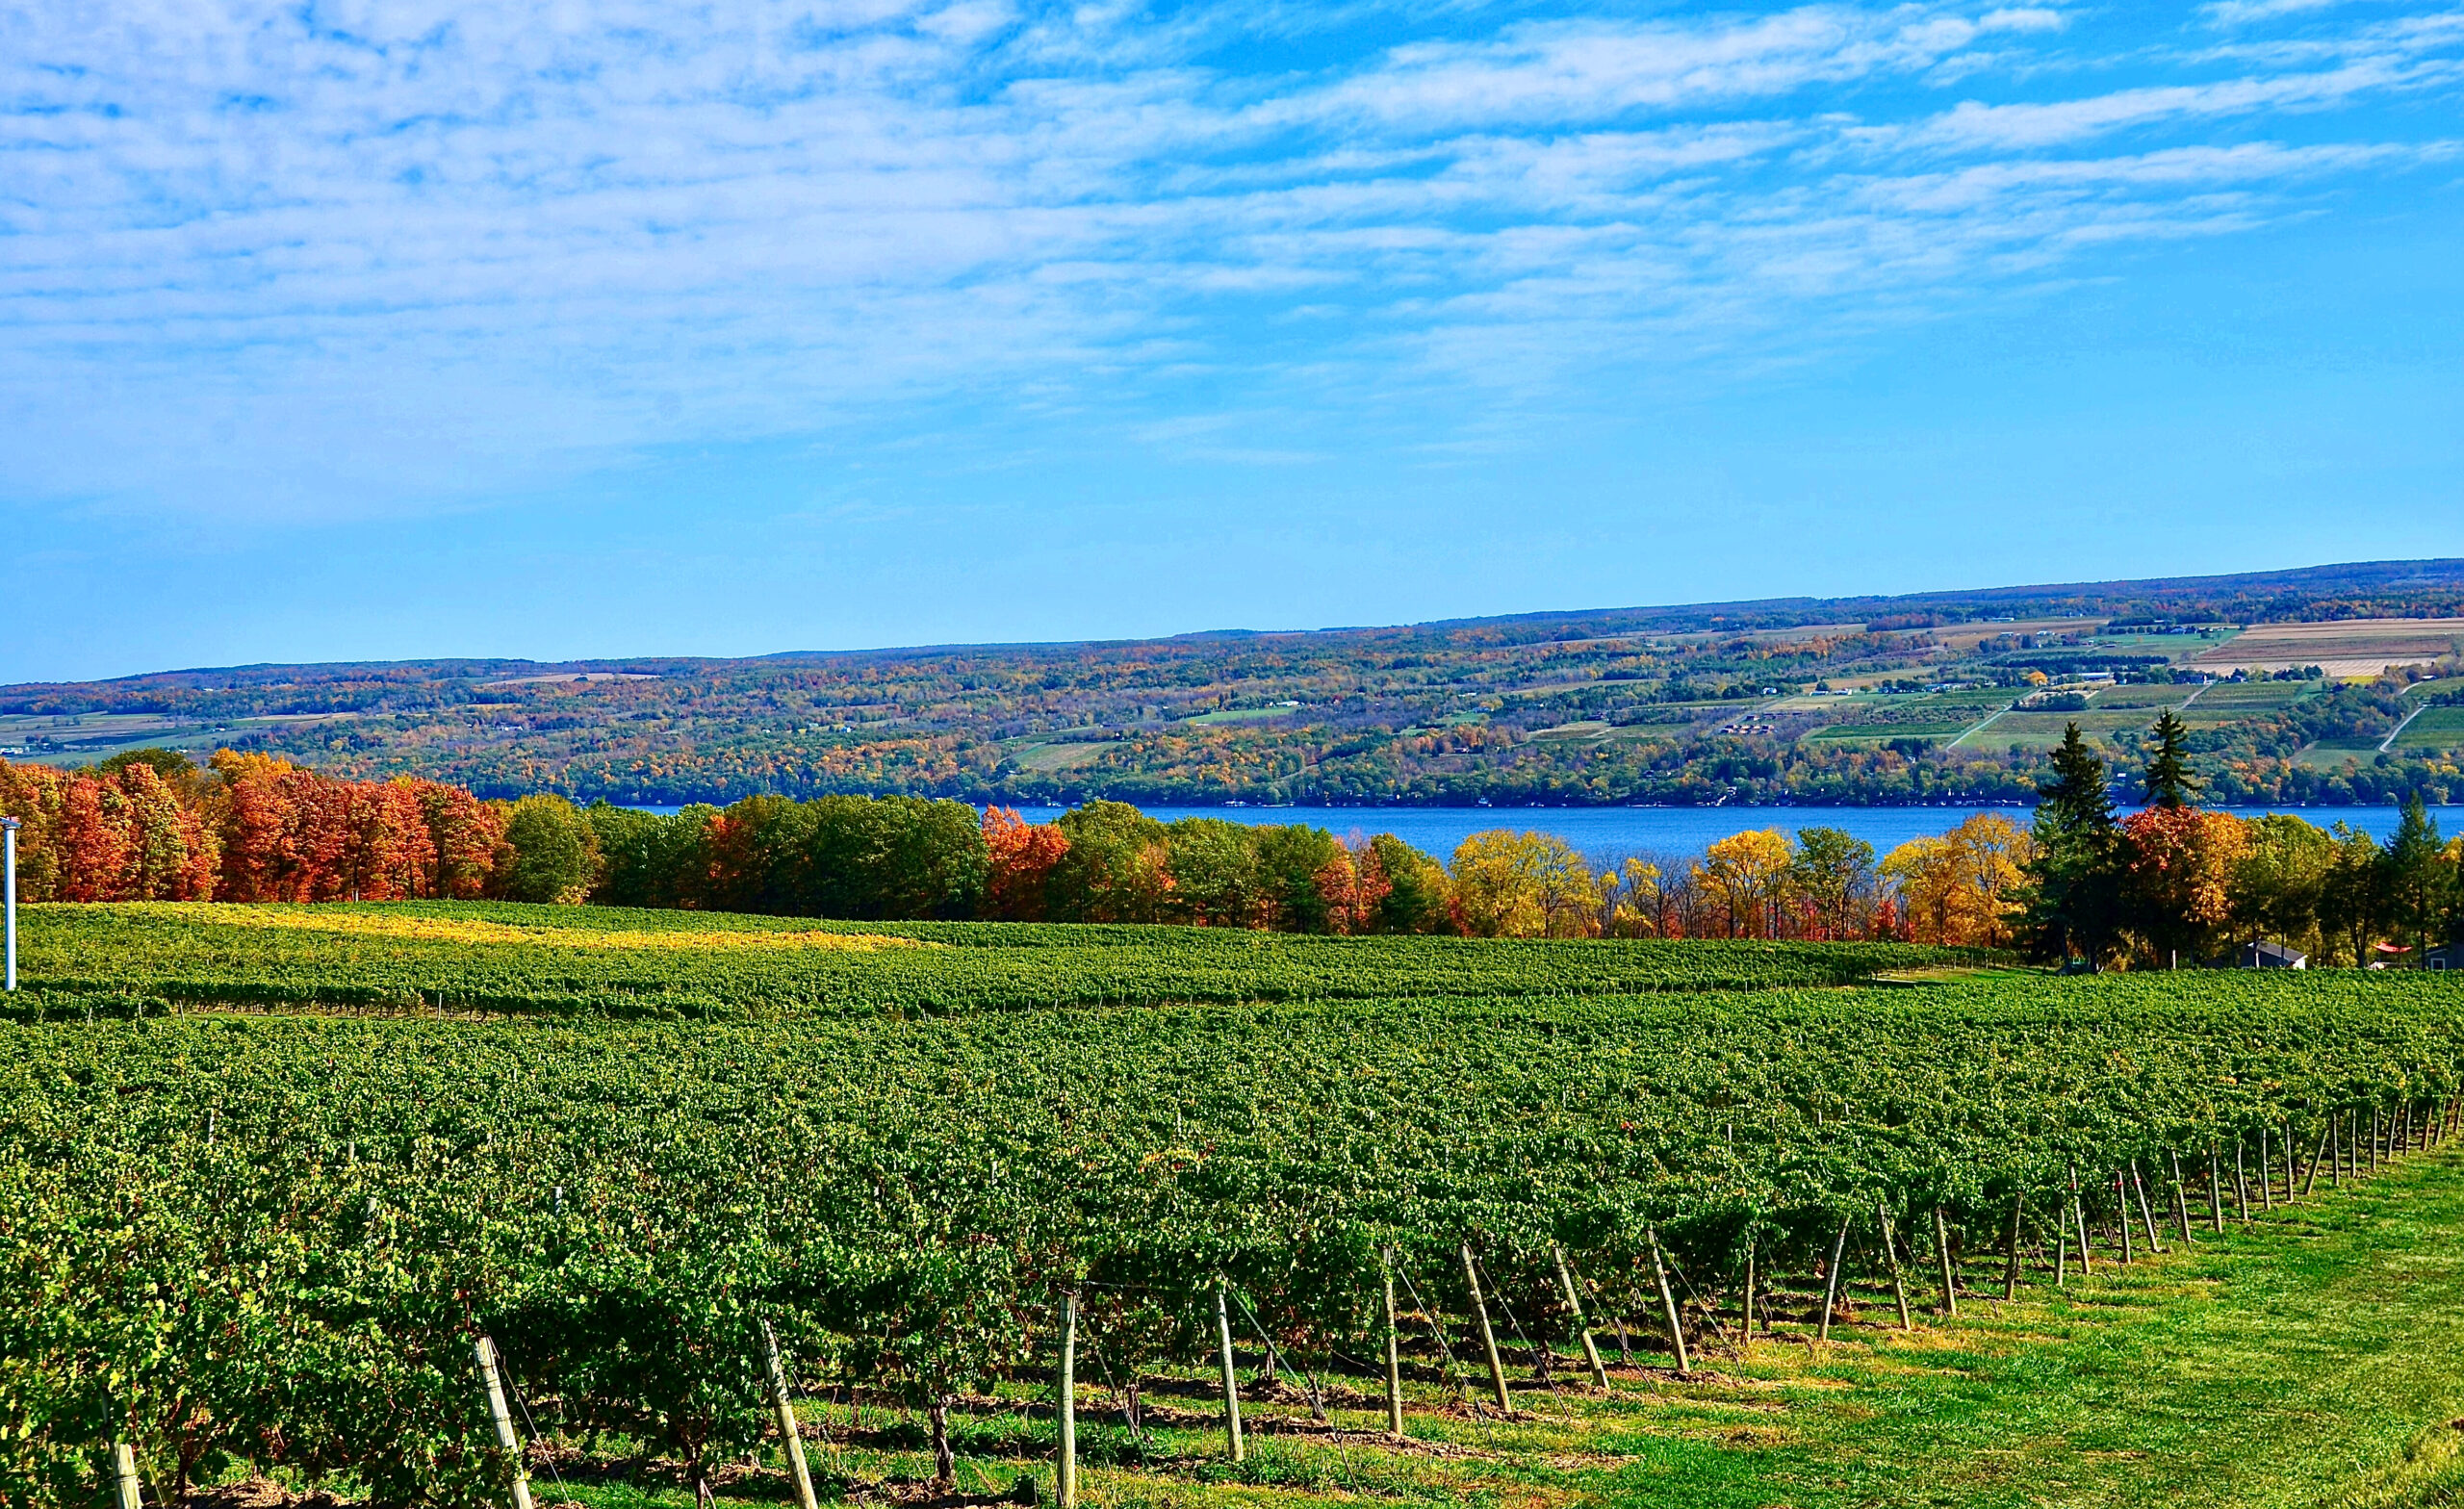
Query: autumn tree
[
  {"x": 1963, "y": 888},
  {"x": 1022, "y": 855},
  {"x": 2279, "y": 888},
  {"x": 2179, "y": 865},
  {"x": 1748, "y": 875},
  {"x": 1510, "y": 884}
]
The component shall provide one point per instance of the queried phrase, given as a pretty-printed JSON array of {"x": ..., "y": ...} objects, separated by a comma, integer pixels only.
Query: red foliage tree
[{"x": 1024, "y": 855}]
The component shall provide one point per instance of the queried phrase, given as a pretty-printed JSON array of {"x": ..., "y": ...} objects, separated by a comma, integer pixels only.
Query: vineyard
[
  {"x": 449, "y": 956},
  {"x": 254, "y": 1242}
]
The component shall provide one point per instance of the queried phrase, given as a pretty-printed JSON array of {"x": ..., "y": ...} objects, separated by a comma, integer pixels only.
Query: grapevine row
[{"x": 275, "y": 1240}]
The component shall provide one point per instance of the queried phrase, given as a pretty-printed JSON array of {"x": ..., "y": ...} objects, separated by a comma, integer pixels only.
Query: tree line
[
  {"x": 2174, "y": 883},
  {"x": 2080, "y": 886}
]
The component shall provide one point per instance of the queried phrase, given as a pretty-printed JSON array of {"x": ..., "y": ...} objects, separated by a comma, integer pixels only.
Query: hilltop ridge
[{"x": 1910, "y": 696}]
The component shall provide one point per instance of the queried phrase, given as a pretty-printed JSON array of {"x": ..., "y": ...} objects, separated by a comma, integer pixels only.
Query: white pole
[
  {"x": 8, "y": 842},
  {"x": 503, "y": 1418}
]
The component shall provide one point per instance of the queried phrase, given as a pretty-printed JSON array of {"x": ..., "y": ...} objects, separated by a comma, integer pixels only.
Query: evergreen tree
[
  {"x": 2071, "y": 904},
  {"x": 2417, "y": 877},
  {"x": 2171, "y": 781}
]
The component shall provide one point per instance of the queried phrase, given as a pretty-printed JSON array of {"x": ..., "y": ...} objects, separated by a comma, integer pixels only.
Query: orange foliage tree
[{"x": 1024, "y": 855}]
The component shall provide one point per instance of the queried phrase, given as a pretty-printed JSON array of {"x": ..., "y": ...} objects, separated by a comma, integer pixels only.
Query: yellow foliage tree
[
  {"x": 1523, "y": 885},
  {"x": 1748, "y": 874},
  {"x": 1960, "y": 888}
]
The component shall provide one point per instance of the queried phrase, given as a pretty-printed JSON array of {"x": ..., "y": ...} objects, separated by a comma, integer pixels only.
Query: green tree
[
  {"x": 1418, "y": 889},
  {"x": 892, "y": 858},
  {"x": 2070, "y": 907},
  {"x": 2279, "y": 885},
  {"x": 1213, "y": 870},
  {"x": 2417, "y": 877},
  {"x": 2170, "y": 781},
  {"x": 1115, "y": 868},
  {"x": 2352, "y": 904},
  {"x": 551, "y": 853},
  {"x": 1289, "y": 859},
  {"x": 1835, "y": 872},
  {"x": 649, "y": 859}
]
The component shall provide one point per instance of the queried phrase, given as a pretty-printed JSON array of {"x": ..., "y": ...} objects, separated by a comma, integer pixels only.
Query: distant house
[
  {"x": 2450, "y": 957},
  {"x": 2266, "y": 955}
]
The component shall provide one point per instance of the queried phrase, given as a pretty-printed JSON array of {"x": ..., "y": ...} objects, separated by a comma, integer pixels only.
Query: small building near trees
[{"x": 2267, "y": 954}]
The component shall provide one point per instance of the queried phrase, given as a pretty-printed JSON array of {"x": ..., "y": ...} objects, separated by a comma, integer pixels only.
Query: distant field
[
  {"x": 2091, "y": 722},
  {"x": 1876, "y": 731},
  {"x": 2334, "y": 753},
  {"x": 2351, "y": 648},
  {"x": 2436, "y": 728},
  {"x": 2248, "y": 696},
  {"x": 1057, "y": 756},
  {"x": 2151, "y": 698}
]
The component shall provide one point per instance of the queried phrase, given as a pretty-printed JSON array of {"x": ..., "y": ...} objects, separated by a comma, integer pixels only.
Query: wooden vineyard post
[
  {"x": 1668, "y": 1304},
  {"x": 2335, "y": 1149},
  {"x": 1582, "y": 1324},
  {"x": 2060, "y": 1244},
  {"x": 1394, "y": 1354},
  {"x": 792, "y": 1439},
  {"x": 1231, "y": 1379},
  {"x": 2079, "y": 1221},
  {"x": 124, "y": 1469},
  {"x": 1890, "y": 1256},
  {"x": 2146, "y": 1218},
  {"x": 2291, "y": 1158},
  {"x": 1488, "y": 1336},
  {"x": 2121, "y": 1196},
  {"x": 486, "y": 1350},
  {"x": 2318, "y": 1155},
  {"x": 2181, "y": 1199},
  {"x": 2215, "y": 1187},
  {"x": 1942, "y": 1252},
  {"x": 1065, "y": 1476},
  {"x": 1830, "y": 1280},
  {"x": 2267, "y": 1174},
  {"x": 2011, "y": 1250},
  {"x": 1745, "y": 1317},
  {"x": 2240, "y": 1186}
]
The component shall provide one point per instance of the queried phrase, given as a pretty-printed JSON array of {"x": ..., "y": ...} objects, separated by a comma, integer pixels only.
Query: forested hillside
[{"x": 1911, "y": 699}]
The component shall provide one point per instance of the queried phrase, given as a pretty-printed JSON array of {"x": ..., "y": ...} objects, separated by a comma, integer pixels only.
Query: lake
[{"x": 1614, "y": 831}]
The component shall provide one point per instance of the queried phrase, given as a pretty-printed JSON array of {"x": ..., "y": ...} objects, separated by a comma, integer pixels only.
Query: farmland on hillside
[{"x": 1869, "y": 699}]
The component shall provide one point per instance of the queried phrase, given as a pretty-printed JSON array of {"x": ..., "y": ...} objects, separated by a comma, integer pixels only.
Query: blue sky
[{"x": 356, "y": 330}]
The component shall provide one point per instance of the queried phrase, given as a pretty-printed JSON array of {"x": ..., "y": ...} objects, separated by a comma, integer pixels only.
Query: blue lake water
[{"x": 1613, "y": 831}]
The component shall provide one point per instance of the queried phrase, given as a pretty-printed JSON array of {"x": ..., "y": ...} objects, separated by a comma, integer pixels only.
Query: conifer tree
[
  {"x": 2171, "y": 781},
  {"x": 2070, "y": 906}
]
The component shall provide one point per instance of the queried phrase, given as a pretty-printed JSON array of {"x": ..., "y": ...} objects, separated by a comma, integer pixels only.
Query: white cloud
[{"x": 371, "y": 256}]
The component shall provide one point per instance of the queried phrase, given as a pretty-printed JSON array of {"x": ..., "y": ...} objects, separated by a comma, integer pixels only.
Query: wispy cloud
[{"x": 359, "y": 255}]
